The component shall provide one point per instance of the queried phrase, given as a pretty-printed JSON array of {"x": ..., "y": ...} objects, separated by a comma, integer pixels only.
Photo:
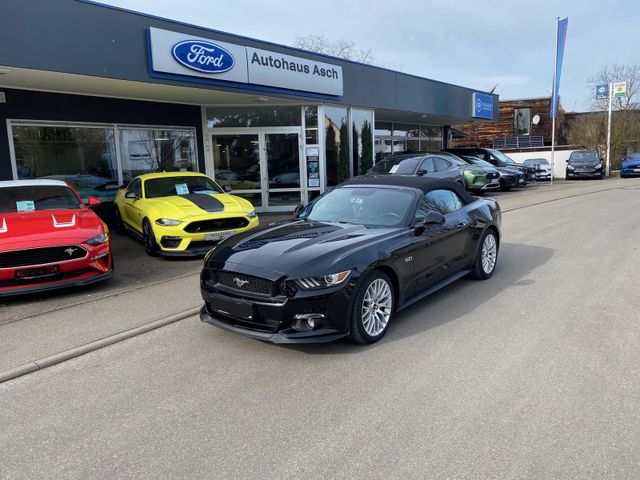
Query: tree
[
  {"x": 589, "y": 130},
  {"x": 344, "y": 172},
  {"x": 366, "y": 159},
  {"x": 340, "y": 48}
]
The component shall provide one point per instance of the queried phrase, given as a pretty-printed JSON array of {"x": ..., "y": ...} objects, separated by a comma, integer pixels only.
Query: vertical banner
[{"x": 562, "y": 36}]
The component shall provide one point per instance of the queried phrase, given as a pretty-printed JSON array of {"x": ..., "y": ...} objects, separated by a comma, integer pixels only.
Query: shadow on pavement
[{"x": 452, "y": 302}]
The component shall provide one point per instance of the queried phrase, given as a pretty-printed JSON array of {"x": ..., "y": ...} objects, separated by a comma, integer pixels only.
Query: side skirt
[{"x": 425, "y": 293}]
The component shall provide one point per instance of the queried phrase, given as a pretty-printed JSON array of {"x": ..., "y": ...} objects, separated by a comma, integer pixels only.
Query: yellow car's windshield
[{"x": 179, "y": 185}]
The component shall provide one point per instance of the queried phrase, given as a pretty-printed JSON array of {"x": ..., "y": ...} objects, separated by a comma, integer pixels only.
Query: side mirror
[
  {"x": 93, "y": 201},
  {"x": 566, "y": 161},
  {"x": 227, "y": 188},
  {"x": 130, "y": 194},
  {"x": 432, "y": 218},
  {"x": 297, "y": 210},
  {"x": 421, "y": 172}
]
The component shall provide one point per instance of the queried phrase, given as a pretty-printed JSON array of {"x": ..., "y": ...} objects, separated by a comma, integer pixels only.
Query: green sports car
[{"x": 477, "y": 178}]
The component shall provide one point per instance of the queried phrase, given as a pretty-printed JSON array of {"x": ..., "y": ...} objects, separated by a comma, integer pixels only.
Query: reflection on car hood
[
  {"x": 290, "y": 247},
  {"x": 47, "y": 227},
  {"x": 181, "y": 207},
  {"x": 631, "y": 163}
]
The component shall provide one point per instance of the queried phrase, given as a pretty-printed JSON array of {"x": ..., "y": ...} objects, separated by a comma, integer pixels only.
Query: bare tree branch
[{"x": 340, "y": 48}]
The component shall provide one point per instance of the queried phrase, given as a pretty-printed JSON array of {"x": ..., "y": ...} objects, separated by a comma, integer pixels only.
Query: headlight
[
  {"x": 570, "y": 167},
  {"x": 312, "y": 283},
  {"x": 251, "y": 214},
  {"x": 98, "y": 239},
  {"x": 168, "y": 222},
  {"x": 598, "y": 166}
]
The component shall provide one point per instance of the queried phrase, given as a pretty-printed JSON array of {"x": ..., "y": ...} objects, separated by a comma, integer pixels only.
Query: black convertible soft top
[{"x": 424, "y": 183}]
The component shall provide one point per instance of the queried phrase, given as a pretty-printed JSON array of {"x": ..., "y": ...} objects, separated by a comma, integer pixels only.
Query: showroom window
[
  {"x": 86, "y": 156},
  {"x": 219, "y": 117},
  {"x": 361, "y": 140},
  {"x": 83, "y": 157},
  {"x": 336, "y": 145},
  {"x": 156, "y": 150},
  {"x": 395, "y": 137}
]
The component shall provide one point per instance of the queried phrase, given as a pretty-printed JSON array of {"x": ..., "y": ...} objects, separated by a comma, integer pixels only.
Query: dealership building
[{"x": 96, "y": 95}]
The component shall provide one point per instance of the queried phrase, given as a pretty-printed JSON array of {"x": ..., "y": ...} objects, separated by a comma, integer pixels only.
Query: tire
[
  {"x": 487, "y": 257},
  {"x": 369, "y": 328},
  {"x": 119, "y": 224},
  {"x": 149, "y": 239}
]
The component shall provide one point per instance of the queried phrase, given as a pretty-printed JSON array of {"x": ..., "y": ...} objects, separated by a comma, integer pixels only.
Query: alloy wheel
[
  {"x": 489, "y": 253},
  {"x": 376, "y": 307}
]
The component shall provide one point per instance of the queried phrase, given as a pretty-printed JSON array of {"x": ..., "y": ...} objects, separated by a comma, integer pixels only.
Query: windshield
[
  {"x": 182, "y": 185},
  {"x": 584, "y": 157},
  {"x": 384, "y": 166},
  {"x": 406, "y": 167},
  {"x": 501, "y": 156},
  {"x": 31, "y": 198},
  {"x": 456, "y": 160},
  {"x": 536, "y": 161},
  {"x": 372, "y": 207}
]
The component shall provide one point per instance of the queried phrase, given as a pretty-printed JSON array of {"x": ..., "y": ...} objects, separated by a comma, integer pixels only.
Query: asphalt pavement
[{"x": 531, "y": 374}]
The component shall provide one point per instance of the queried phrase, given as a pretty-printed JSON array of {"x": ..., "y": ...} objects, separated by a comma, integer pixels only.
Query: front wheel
[
  {"x": 487, "y": 256},
  {"x": 149, "y": 239},
  {"x": 372, "y": 308}
]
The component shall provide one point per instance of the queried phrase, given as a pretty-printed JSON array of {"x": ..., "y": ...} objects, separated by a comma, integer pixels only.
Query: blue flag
[{"x": 562, "y": 36}]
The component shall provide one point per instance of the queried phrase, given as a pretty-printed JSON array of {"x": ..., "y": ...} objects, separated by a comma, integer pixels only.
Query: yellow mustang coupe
[{"x": 180, "y": 213}]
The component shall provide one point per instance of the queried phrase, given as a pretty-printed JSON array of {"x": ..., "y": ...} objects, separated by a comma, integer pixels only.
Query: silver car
[
  {"x": 543, "y": 169},
  {"x": 432, "y": 165}
]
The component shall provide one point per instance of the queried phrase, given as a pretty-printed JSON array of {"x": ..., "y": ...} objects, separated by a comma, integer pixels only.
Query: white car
[{"x": 543, "y": 169}]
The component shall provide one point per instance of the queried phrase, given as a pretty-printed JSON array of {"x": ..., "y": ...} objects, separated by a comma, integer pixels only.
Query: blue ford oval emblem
[{"x": 203, "y": 56}]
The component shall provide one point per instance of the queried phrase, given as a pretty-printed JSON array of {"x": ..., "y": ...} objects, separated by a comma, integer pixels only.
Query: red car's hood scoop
[{"x": 47, "y": 227}]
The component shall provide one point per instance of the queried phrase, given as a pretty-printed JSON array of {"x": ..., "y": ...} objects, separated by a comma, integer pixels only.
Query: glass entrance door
[
  {"x": 283, "y": 170},
  {"x": 237, "y": 164},
  {"x": 264, "y": 167}
]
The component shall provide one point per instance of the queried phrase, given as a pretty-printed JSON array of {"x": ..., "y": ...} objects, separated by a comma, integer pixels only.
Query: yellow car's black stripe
[{"x": 205, "y": 202}]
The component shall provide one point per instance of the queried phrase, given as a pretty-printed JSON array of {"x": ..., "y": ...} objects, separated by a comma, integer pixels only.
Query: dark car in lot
[
  {"x": 428, "y": 164},
  {"x": 509, "y": 177},
  {"x": 630, "y": 165},
  {"x": 495, "y": 158},
  {"x": 584, "y": 164},
  {"x": 350, "y": 260}
]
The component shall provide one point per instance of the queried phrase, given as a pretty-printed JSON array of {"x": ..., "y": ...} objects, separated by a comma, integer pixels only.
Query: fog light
[{"x": 306, "y": 321}]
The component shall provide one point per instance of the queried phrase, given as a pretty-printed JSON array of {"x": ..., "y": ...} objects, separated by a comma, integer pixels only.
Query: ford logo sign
[{"x": 203, "y": 56}]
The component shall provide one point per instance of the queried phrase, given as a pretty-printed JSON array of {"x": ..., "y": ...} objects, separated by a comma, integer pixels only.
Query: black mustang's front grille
[
  {"x": 244, "y": 283},
  {"x": 41, "y": 256},
  {"x": 216, "y": 225}
]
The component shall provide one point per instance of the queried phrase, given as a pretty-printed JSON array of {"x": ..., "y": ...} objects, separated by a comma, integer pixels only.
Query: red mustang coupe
[{"x": 49, "y": 238}]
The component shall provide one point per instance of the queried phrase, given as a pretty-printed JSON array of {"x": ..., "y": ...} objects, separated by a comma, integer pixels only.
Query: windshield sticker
[
  {"x": 394, "y": 169},
  {"x": 182, "y": 189},
  {"x": 25, "y": 206}
]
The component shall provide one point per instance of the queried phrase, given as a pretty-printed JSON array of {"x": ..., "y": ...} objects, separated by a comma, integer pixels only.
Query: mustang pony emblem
[
  {"x": 69, "y": 251},
  {"x": 240, "y": 283}
]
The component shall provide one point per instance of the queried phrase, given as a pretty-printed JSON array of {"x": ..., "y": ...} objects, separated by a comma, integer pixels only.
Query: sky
[{"x": 477, "y": 44}]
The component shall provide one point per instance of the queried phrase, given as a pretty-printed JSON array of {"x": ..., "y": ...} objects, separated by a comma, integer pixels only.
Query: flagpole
[
  {"x": 554, "y": 107},
  {"x": 609, "y": 129}
]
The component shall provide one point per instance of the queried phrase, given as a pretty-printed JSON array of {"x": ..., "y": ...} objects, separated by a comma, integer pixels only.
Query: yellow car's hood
[{"x": 180, "y": 207}]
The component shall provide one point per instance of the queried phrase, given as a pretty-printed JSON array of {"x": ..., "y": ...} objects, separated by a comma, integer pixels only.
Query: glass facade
[
  {"x": 86, "y": 156},
  {"x": 337, "y": 157},
  {"x": 361, "y": 140},
  {"x": 405, "y": 138},
  {"x": 311, "y": 124},
  {"x": 156, "y": 150},
  {"x": 83, "y": 157},
  {"x": 219, "y": 117}
]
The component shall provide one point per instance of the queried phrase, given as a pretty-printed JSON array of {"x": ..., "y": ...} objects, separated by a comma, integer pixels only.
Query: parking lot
[{"x": 532, "y": 374}]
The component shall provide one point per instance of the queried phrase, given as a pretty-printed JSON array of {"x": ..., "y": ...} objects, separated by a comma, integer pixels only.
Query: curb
[{"x": 92, "y": 346}]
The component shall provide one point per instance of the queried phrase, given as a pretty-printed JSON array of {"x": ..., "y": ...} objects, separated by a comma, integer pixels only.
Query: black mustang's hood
[{"x": 296, "y": 247}]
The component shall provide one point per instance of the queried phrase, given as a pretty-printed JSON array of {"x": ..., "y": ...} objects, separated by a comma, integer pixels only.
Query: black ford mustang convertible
[{"x": 350, "y": 260}]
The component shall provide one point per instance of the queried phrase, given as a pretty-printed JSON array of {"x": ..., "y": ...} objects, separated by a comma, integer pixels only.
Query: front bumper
[
  {"x": 590, "y": 174},
  {"x": 273, "y": 321},
  {"x": 630, "y": 171},
  {"x": 175, "y": 242}
]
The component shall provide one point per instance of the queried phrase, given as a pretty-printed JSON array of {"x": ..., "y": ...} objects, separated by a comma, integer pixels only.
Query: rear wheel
[
  {"x": 149, "y": 239},
  {"x": 487, "y": 256},
  {"x": 372, "y": 308}
]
